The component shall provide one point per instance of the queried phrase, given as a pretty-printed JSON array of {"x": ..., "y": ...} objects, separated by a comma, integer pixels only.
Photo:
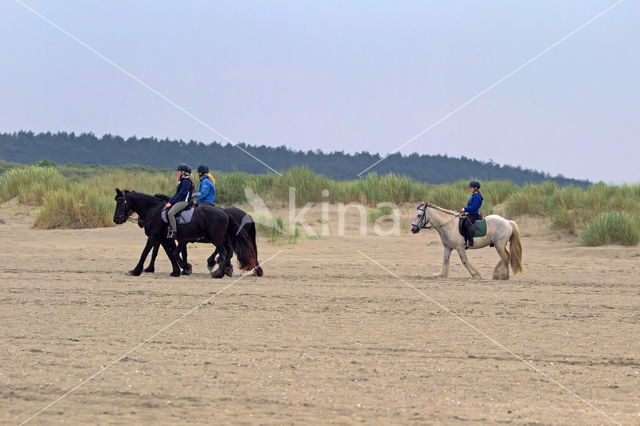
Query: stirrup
[{"x": 171, "y": 234}]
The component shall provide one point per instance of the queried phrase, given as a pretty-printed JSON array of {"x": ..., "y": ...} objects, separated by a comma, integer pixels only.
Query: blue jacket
[
  {"x": 206, "y": 191},
  {"x": 475, "y": 202},
  {"x": 184, "y": 191}
]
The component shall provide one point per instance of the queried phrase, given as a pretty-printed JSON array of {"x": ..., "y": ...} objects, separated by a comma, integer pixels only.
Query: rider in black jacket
[{"x": 182, "y": 199}]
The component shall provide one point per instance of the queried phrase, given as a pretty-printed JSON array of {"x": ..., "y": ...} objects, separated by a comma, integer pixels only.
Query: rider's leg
[
  {"x": 470, "y": 228},
  {"x": 171, "y": 215}
]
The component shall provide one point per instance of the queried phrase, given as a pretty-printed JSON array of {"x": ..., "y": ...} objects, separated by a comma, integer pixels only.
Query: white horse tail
[{"x": 515, "y": 244}]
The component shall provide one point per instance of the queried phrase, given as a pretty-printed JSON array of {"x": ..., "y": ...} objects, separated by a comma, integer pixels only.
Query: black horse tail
[
  {"x": 252, "y": 234},
  {"x": 242, "y": 237}
]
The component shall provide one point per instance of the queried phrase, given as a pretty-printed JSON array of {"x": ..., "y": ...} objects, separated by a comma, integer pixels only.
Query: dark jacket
[
  {"x": 475, "y": 202},
  {"x": 184, "y": 191}
]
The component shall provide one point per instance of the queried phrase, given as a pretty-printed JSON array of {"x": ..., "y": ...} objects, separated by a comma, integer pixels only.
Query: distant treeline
[{"x": 86, "y": 148}]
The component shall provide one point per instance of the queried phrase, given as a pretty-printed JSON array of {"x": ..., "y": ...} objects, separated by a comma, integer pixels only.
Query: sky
[{"x": 333, "y": 75}]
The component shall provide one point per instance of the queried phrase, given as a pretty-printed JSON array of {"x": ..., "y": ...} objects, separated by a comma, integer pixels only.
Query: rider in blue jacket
[
  {"x": 206, "y": 194},
  {"x": 472, "y": 211}
]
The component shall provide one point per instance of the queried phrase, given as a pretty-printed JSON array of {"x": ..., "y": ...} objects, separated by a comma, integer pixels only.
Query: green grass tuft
[
  {"x": 612, "y": 228},
  {"x": 31, "y": 184}
]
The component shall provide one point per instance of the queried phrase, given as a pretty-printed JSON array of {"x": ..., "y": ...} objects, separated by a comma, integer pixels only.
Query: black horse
[
  {"x": 208, "y": 223},
  {"x": 242, "y": 220}
]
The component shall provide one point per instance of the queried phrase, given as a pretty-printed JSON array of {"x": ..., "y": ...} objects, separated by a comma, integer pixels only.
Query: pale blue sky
[{"x": 338, "y": 75}]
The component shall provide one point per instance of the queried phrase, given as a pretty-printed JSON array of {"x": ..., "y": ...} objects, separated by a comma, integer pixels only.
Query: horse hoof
[
  {"x": 175, "y": 274},
  {"x": 229, "y": 271},
  {"x": 150, "y": 270},
  {"x": 134, "y": 273},
  {"x": 211, "y": 266},
  {"x": 258, "y": 272},
  {"x": 188, "y": 270}
]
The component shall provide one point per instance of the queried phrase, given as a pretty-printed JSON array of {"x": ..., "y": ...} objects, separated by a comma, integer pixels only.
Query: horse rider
[
  {"x": 472, "y": 212},
  {"x": 182, "y": 198},
  {"x": 206, "y": 194}
]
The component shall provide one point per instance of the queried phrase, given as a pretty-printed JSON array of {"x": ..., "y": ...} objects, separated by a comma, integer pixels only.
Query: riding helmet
[
  {"x": 203, "y": 169},
  {"x": 183, "y": 168},
  {"x": 474, "y": 184}
]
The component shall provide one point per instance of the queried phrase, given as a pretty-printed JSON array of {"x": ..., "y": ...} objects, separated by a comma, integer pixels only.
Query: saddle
[
  {"x": 182, "y": 218},
  {"x": 479, "y": 227}
]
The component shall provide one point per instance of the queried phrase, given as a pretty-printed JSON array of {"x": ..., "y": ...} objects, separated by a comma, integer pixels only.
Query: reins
[{"x": 453, "y": 216}]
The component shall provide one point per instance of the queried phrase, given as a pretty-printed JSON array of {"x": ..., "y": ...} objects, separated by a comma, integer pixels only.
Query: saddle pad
[
  {"x": 480, "y": 228},
  {"x": 184, "y": 216}
]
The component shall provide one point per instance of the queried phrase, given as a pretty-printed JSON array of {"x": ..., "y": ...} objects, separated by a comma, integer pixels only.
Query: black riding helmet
[
  {"x": 474, "y": 184},
  {"x": 183, "y": 168},
  {"x": 203, "y": 169}
]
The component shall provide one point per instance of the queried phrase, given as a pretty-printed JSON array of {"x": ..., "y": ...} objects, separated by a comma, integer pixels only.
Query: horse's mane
[
  {"x": 146, "y": 196},
  {"x": 443, "y": 210}
]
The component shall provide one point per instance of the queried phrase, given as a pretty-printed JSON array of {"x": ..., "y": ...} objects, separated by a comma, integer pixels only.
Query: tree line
[{"x": 86, "y": 148}]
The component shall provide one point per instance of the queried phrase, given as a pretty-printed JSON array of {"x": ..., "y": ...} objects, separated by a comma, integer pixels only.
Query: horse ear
[{"x": 118, "y": 192}]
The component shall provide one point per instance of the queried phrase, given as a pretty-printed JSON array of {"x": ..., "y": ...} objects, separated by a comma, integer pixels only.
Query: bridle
[
  {"x": 125, "y": 216},
  {"x": 423, "y": 208}
]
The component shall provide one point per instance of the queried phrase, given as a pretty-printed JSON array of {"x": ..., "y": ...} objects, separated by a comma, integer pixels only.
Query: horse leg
[
  {"x": 143, "y": 256},
  {"x": 463, "y": 258},
  {"x": 177, "y": 253},
  {"x": 151, "y": 268},
  {"x": 211, "y": 261},
  {"x": 219, "y": 273},
  {"x": 501, "y": 271},
  {"x": 445, "y": 264},
  {"x": 169, "y": 247},
  {"x": 187, "y": 269},
  {"x": 184, "y": 256},
  {"x": 228, "y": 270}
]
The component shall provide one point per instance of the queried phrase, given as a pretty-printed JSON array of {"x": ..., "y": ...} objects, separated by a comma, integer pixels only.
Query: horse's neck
[
  {"x": 439, "y": 219},
  {"x": 144, "y": 205}
]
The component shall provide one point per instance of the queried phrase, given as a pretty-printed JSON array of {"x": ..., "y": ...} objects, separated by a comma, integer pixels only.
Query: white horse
[{"x": 500, "y": 231}]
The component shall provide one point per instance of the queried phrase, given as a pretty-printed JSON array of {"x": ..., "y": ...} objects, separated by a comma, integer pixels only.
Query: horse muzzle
[
  {"x": 415, "y": 229},
  {"x": 119, "y": 220}
]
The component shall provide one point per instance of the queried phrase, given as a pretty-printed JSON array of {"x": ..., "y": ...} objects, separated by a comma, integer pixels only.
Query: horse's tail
[
  {"x": 243, "y": 244},
  {"x": 251, "y": 230},
  {"x": 515, "y": 244}
]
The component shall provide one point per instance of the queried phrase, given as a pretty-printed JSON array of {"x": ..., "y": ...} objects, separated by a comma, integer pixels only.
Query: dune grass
[
  {"x": 275, "y": 228},
  {"x": 31, "y": 184},
  {"x": 612, "y": 228},
  {"x": 75, "y": 207},
  {"x": 77, "y": 196}
]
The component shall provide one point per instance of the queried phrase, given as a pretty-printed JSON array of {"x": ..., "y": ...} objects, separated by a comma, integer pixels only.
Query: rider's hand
[
  {"x": 462, "y": 210},
  {"x": 168, "y": 205}
]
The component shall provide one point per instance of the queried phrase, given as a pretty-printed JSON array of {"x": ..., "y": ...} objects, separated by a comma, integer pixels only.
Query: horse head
[
  {"x": 421, "y": 219},
  {"x": 123, "y": 209}
]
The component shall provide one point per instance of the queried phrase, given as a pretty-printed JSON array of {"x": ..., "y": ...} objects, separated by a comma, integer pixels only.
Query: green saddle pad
[{"x": 481, "y": 228}]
